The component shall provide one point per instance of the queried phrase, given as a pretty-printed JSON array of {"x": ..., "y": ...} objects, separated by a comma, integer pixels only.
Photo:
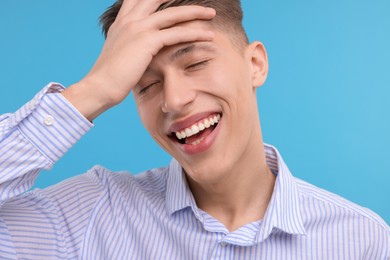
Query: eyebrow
[
  {"x": 191, "y": 48},
  {"x": 186, "y": 50}
]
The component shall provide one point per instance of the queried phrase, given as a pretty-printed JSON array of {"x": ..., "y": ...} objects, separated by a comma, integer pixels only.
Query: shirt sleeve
[
  {"x": 35, "y": 137},
  {"x": 46, "y": 223}
]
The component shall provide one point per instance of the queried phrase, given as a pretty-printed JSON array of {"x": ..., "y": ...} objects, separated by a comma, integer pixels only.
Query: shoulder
[
  {"x": 149, "y": 180},
  {"x": 346, "y": 224},
  {"x": 320, "y": 202}
]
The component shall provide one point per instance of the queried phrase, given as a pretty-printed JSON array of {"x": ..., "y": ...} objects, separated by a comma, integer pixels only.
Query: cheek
[
  {"x": 149, "y": 116},
  {"x": 216, "y": 80},
  {"x": 228, "y": 82}
]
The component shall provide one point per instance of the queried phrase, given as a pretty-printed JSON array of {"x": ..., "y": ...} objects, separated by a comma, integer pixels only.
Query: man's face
[{"x": 198, "y": 101}]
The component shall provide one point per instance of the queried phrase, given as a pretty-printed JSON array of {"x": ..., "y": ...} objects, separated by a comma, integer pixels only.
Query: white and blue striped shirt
[{"x": 153, "y": 215}]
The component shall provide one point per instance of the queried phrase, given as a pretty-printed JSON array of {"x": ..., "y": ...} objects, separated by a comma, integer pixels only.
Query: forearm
[
  {"x": 34, "y": 138},
  {"x": 88, "y": 99}
]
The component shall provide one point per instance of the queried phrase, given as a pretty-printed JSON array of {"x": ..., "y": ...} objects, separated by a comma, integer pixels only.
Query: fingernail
[{"x": 211, "y": 10}]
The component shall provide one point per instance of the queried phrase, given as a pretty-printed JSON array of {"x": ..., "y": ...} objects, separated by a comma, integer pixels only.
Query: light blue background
[{"x": 325, "y": 105}]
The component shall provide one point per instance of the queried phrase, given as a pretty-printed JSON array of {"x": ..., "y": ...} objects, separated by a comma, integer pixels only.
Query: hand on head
[{"x": 138, "y": 33}]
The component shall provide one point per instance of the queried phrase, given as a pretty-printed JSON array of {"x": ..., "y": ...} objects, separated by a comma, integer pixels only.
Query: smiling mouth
[{"x": 196, "y": 133}]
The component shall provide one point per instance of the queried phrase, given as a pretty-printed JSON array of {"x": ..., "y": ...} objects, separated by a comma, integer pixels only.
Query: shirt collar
[
  {"x": 283, "y": 210},
  {"x": 179, "y": 195}
]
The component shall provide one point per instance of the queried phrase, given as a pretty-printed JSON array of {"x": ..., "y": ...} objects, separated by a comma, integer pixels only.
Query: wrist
[{"x": 88, "y": 99}]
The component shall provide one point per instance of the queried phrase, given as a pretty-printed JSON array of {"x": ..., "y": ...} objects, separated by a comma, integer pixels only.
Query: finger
[
  {"x": 175, "y": 15},
  {"x": 178, "y": 34},
  {"x": 127, "y": 6},
  {"x": 145, "y": 8}
]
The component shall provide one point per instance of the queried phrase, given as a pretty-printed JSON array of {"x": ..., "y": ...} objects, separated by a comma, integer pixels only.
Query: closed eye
[
  {"x": 197, "y": 65},
  {"x": 144, "y": 89}
]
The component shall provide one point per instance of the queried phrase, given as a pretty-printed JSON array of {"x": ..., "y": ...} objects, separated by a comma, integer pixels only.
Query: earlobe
[{"x": 259, "y": 63}]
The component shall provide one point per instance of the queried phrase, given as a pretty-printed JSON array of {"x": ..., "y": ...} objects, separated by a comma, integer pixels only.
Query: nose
[{"x": 178, "y": 94}]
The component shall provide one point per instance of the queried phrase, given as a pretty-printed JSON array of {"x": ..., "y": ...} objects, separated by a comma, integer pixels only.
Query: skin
[
  {"x": 138, "y": 33},
  {"x": 182, "y": 67}
]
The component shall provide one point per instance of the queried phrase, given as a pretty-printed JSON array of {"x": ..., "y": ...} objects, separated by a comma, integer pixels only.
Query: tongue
[{"x": 199, "y": 135}]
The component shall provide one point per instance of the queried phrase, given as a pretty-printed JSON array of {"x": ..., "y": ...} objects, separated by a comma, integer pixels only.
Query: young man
[{"x": 225, "y": 194}]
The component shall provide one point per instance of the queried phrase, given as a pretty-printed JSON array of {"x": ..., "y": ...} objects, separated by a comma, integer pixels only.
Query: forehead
[{"x": 220, "y": 43}]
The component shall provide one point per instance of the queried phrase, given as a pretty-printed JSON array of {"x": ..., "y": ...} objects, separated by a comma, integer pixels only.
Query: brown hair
[{"x": 229, "y": 16}]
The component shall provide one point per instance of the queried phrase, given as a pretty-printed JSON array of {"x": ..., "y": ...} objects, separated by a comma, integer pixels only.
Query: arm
[
  {"x": 35, "y": 137},
  {"x": 137, "y": 34},
  {"x": 29, "y": 138}
]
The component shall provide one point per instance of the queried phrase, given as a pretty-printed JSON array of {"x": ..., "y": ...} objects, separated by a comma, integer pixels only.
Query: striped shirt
[{"x": 153, "y": 215}]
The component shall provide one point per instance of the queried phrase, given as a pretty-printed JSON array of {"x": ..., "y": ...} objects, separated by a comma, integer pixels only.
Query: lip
[
  {"x": 188, "y": 122},
  {"x": 190, "y": 149}
]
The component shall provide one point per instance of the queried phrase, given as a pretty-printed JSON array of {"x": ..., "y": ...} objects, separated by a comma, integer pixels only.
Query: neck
[{"x": 243, "y": 196}]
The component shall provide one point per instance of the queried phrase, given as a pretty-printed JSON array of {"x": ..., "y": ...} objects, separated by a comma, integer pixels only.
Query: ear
[{"x": 257, "y": 56}]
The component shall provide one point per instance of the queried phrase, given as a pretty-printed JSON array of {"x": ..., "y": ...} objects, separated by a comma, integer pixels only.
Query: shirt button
[
  {"x": 223, "y": 244},
  {"x": 48, "y": 120}
]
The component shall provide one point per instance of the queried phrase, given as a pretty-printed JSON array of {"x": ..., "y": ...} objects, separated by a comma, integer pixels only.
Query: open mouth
[{"x": 196, "y": 133}]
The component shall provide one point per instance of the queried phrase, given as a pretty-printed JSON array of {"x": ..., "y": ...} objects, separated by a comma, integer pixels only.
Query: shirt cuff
[{"x": 50, "y": 122}]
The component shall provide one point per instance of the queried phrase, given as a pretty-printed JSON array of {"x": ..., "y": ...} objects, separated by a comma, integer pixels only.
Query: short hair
[{"x": 228, "y": 19}]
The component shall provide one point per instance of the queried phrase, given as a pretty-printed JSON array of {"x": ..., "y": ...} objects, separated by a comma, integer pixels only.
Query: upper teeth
[{"x": 198, "y": 127}]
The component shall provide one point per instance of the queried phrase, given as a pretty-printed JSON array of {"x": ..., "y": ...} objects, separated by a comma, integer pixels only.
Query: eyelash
[
  {"x": 193, "y": 66},
  {"x": 144, "y": 89},
  {"x": 197, "y": 64}
]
